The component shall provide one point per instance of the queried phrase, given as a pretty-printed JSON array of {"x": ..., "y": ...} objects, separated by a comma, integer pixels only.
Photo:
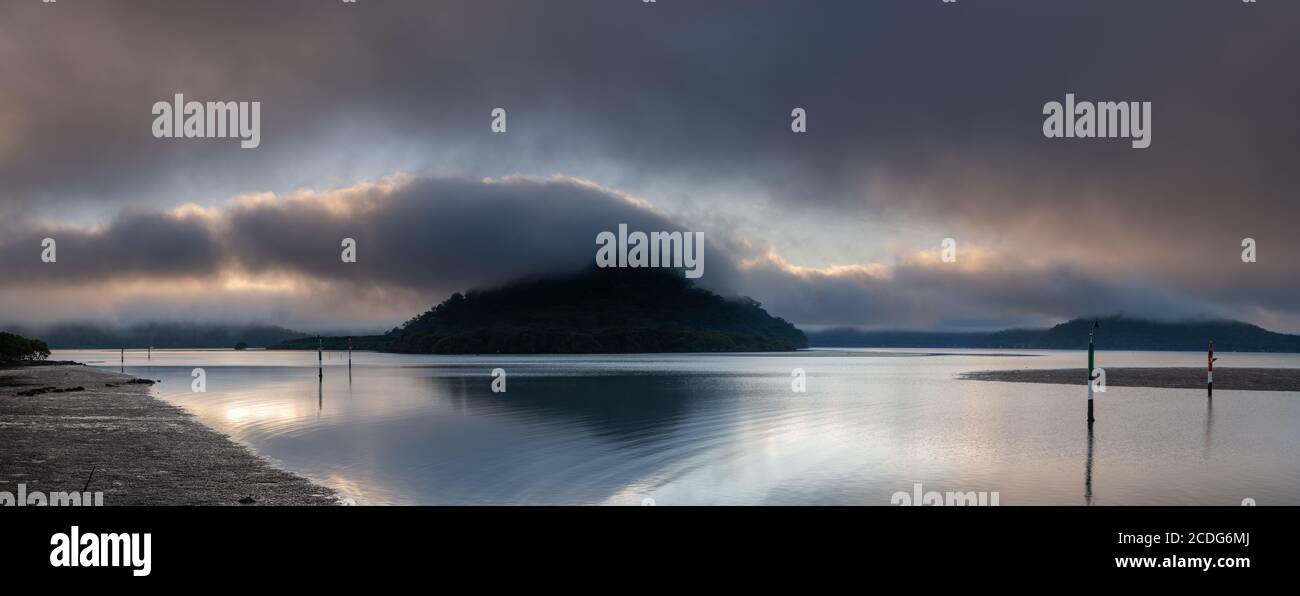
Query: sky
[{"x": 924, "y": 121}]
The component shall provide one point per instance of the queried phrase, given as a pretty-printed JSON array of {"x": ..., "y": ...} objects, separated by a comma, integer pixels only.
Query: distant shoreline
[
  {"x": 64, "y": 420},
  {"x": 1233, "y": 379}
]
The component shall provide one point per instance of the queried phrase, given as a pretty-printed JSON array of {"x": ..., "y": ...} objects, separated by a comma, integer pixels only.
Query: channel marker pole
[
  {"x": 1209, "y": 372},
  {"x": 1091, "y": 378}
]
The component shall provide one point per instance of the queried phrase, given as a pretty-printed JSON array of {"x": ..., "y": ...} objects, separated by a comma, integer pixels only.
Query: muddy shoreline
[
  {"x": 60, "y": 421},
  {"x": 1232, "y": 379}
]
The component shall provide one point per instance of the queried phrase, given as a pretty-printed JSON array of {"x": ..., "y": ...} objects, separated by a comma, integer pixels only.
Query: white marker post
[
  {"x": 1209, "y": 372},
  {"x": 349, "y": 352}
]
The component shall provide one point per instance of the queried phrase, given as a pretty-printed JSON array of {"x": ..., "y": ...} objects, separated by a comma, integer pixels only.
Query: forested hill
[
  {"x": 1115, "y": 333},
  {"x": 597, "y": 311}
]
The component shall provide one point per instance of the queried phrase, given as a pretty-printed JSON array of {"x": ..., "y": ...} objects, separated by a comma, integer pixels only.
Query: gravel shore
[
  {"x": 1244, "y": 379},
  {"x": 57, "y": 422}
]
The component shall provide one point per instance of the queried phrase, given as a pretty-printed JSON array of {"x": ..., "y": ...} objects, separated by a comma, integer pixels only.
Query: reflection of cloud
[{"x": 262, "y": 413}]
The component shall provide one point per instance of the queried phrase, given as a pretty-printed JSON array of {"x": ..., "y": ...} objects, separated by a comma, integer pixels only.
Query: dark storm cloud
[
  {"x": 921, "y": 114},
  {"x": 924, "y": 293},
  {"x": 443, "y": 235},
  {"x": 134, "y": 245},
  {"x": 420, "y": 240},
  {"x": 701, "y": 90},
  {"x": 416, "y": 242}
]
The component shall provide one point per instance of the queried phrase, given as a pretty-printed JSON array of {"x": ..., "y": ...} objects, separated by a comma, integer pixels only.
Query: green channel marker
[{"x": 1091, "y": 368}]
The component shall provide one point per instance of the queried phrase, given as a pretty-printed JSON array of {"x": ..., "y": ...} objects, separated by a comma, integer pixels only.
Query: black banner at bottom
[{"x": 175, "y": 546}]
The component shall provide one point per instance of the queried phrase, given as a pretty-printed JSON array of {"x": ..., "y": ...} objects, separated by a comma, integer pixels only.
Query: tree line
[{"x": 16, "y": 348}]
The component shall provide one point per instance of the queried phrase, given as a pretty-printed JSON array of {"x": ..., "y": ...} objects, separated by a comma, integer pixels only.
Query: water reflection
[
  {"x": 727, "y": 429},
  {"x": 1209, "y": 426},
  {"x": 627, "y": 409},
  {"x": 1087, "y": 474}
]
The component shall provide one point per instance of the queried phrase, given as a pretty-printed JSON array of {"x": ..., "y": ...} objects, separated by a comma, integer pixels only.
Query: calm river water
[{"x": 728, "y": 428}]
